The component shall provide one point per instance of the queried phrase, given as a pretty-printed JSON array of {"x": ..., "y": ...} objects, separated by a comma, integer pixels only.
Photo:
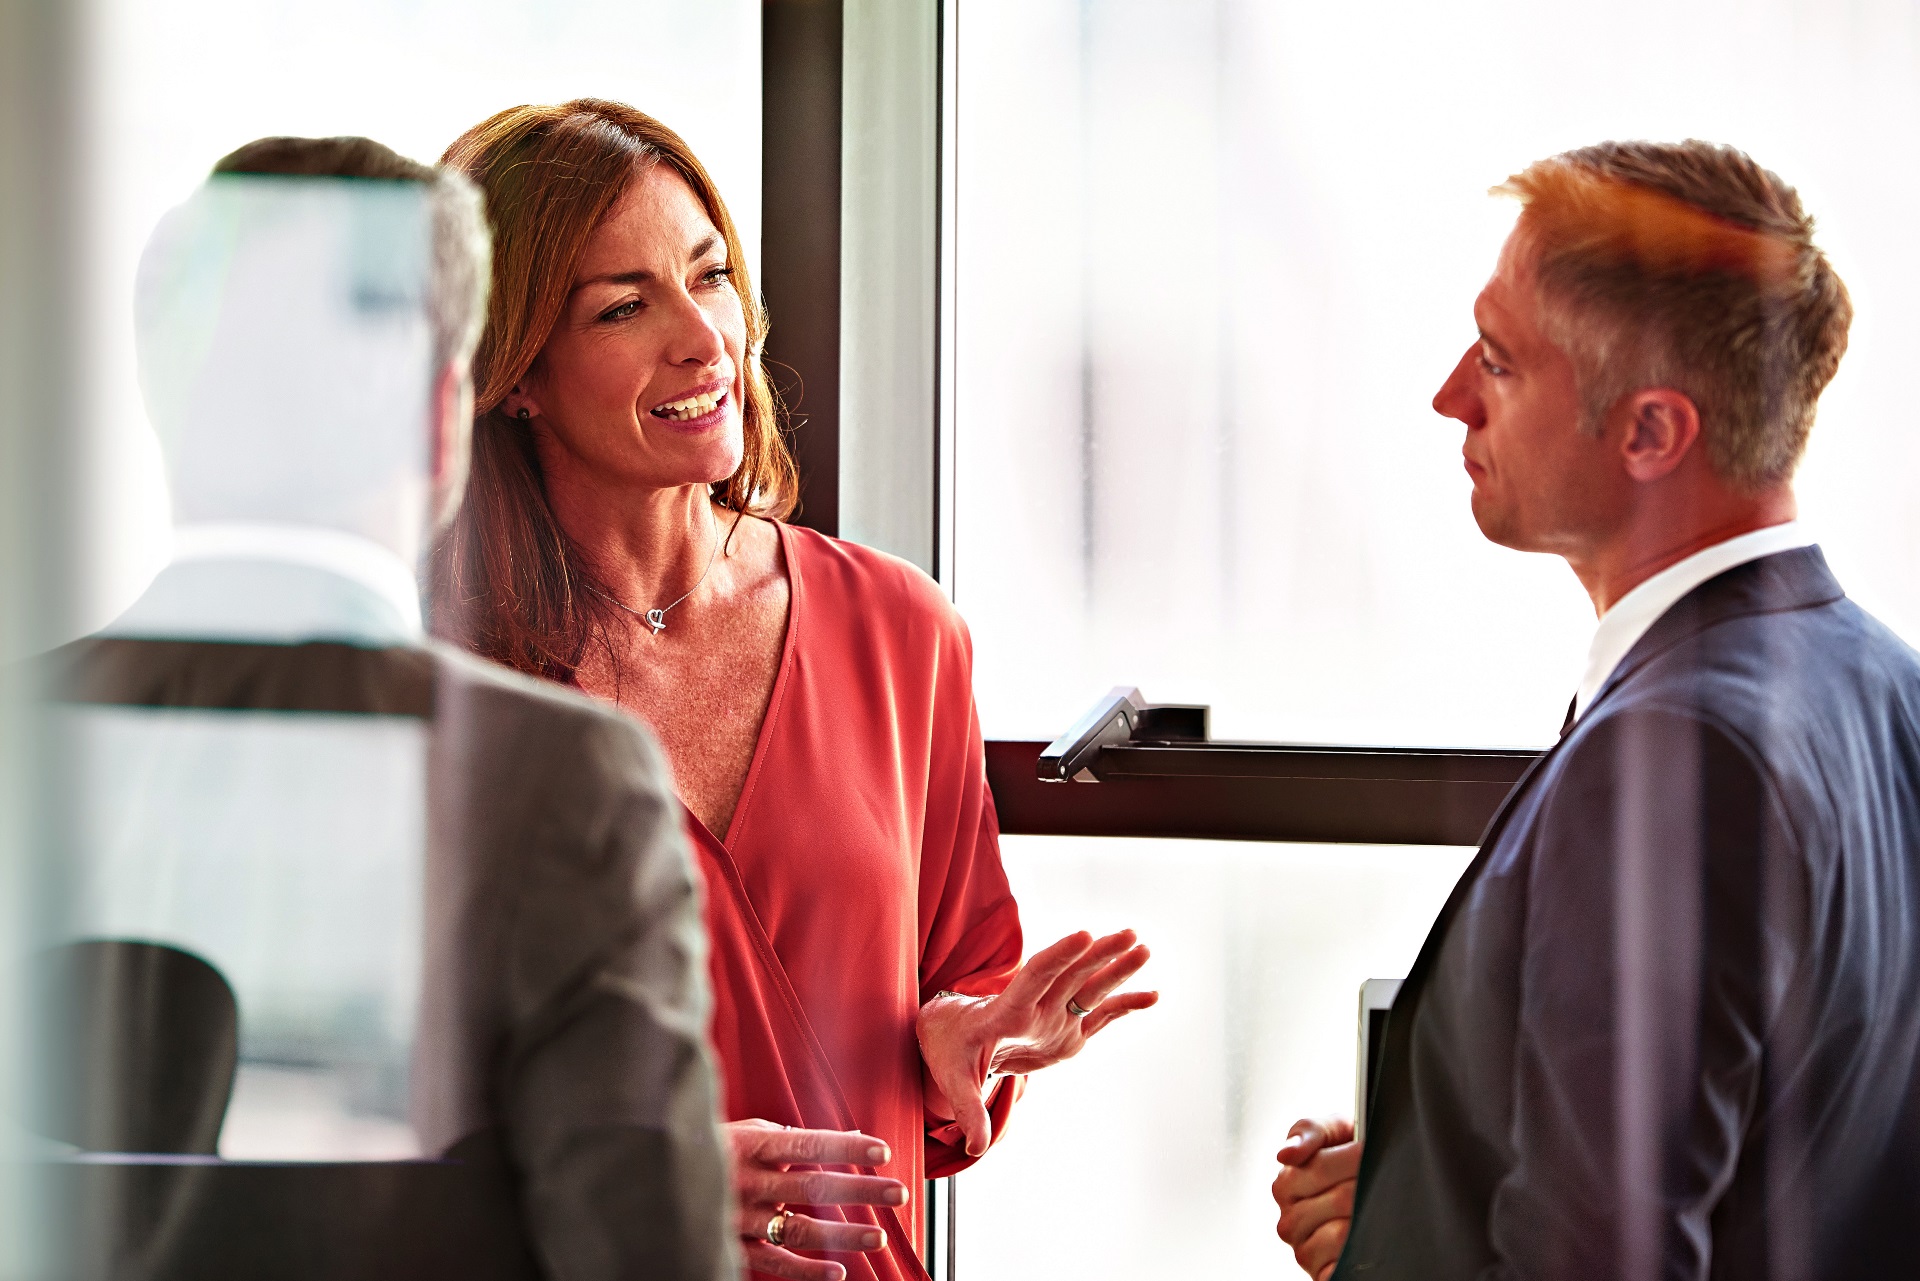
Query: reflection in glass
[
  {"x": 412, "y": 75},
  {"x": 286, "y": 850},
  {"x": 246, "y": 781}
]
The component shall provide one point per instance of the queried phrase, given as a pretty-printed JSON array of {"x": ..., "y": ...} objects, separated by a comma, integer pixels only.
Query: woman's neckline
[{"x": 763, "y": 740}]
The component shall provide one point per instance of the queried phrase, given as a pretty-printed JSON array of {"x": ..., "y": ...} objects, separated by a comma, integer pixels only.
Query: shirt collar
[
  {"x": 320, "y": 584},
  {"x": 1623, "y": 625}
]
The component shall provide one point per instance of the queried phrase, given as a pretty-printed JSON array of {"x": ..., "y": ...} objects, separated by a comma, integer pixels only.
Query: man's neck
[{"x": 1653, "y": 539}]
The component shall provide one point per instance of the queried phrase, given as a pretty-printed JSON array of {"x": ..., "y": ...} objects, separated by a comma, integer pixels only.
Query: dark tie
[{"x": 1567, "y": 724}]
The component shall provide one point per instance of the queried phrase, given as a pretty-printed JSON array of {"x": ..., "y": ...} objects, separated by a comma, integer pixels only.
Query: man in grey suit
[
  {"x": 455, "y": 904},
  {"x": 1668, "y": 1024}
]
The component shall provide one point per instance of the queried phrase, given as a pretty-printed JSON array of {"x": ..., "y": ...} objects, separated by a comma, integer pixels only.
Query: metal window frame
[
  {"x": 800, "y": 267},
  {"x": 859, "y": 258}
]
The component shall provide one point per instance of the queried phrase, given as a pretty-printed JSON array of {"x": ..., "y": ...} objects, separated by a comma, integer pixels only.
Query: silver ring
[
  {"x": 777, "y": 1227},
  {"x": 1073, "y": 1008}
]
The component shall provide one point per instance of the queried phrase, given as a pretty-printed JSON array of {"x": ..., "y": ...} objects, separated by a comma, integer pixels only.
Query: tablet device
[{"x": 1376, "y": 998}]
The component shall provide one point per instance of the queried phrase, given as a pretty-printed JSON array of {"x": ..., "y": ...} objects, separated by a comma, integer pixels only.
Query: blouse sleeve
[{"x": 969, "y": 923}]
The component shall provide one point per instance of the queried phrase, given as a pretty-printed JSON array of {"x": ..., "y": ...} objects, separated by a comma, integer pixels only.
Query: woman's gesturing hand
[
  {"x": 764, "y": 1184},
  {"x": 964, "y": 1039}
]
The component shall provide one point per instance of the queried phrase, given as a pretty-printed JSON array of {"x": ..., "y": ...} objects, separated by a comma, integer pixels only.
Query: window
[
  {"x": 1210, "y": 261},
  {"x": 1214, "y": 259}
]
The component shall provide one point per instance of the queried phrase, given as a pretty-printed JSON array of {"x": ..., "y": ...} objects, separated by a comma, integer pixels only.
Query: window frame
[{"x": 851, "y": 266}]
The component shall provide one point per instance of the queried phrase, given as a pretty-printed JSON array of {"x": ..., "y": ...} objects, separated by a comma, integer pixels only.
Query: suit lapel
[
  {"x": 1797, "y": 579},
  {"x": 1416, "y": 977},
  {"x": 1395, "y": 1063}
]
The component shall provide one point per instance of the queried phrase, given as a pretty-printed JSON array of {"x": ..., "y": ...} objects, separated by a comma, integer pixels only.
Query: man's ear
[{"x": 1660, "y": 426}]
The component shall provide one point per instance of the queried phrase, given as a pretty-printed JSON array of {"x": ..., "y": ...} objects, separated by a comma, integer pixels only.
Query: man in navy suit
[{"x": 1668, "y": 1024}]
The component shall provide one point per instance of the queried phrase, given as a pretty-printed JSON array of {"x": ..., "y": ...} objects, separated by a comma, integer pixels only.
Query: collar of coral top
[{"x": 1623, "y": 625}]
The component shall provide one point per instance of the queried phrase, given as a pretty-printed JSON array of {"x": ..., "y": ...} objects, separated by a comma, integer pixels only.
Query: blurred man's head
[
  {"x": 462, "y": 248},
  {"x": 305, "y": 322},
  {"x": 1659, "y": 330}
]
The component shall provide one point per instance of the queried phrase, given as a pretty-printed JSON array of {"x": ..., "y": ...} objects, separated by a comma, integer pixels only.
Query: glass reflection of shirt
[
  {"x": 278, "y": 583},
  {"x": 288, "y": 849}
]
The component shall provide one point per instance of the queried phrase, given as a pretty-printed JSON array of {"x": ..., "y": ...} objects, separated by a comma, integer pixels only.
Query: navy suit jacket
[{"x": 1668, "y": 1024}]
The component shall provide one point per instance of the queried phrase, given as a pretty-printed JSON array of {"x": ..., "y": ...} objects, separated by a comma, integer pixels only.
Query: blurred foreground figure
[
  {"x": 453, "y": 904},
  {"x": 1668, "y": 1025}
]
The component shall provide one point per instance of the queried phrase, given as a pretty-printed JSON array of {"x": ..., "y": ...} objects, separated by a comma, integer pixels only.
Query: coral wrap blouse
[{"x": 860, "y": 875}]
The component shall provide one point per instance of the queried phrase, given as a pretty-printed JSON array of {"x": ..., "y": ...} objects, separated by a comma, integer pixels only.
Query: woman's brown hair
[{"x": 507, "y": 582}]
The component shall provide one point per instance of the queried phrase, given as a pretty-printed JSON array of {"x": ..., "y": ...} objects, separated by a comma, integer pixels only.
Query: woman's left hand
[{"x": 964, "y": 1039}]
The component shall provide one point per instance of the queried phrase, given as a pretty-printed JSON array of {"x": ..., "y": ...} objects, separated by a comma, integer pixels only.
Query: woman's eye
[
  {"x": 1496, "y": 371},
  {"x": 718, "y": 276},
  {"x": 624, "y": 310}
]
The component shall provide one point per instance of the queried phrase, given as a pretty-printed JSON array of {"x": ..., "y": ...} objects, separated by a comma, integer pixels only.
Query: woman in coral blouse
[{"x": 623, "y": 533}]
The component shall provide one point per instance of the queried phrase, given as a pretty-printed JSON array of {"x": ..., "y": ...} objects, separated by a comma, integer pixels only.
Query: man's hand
[
  {"x": 1319, "y": 1164},
  {"x": 765, "y": 1182}
]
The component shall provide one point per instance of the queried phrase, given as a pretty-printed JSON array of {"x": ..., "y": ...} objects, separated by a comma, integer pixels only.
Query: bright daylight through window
[{"x": 1214, "y": 259}]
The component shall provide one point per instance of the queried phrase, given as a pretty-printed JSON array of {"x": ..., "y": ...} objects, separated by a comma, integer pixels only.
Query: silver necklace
[{"x": 657, "y": 618}]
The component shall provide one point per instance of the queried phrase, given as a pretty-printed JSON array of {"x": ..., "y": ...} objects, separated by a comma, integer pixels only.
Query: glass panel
[
  {"x": 1215, "y": 257},
  {"x": 174, "y": 87},
  {"x": 285, "y": 357},
  {"x": 1156, "y": 1145},
  {"x": 229, "y": 836},
  {"x": 1212, "y": 261}
]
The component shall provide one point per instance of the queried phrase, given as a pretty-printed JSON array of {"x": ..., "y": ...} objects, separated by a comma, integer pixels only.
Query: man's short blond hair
[{"x": 1688, "y": 266}]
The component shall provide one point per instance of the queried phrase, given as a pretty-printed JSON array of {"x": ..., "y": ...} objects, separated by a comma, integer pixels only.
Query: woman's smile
[{"x": 702, "y": 408}]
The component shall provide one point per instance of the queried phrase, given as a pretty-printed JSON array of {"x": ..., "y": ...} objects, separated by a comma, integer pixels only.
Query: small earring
[{"x": 524, "y": 414}]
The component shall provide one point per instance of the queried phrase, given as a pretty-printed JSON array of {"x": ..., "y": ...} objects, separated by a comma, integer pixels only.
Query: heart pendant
[{"x": 657, "y": 619}]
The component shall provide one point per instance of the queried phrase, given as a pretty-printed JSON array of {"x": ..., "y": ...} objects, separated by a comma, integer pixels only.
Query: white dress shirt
[
  {"x": 1623, "y": 625},
  {"x": 278, "y": 584}
]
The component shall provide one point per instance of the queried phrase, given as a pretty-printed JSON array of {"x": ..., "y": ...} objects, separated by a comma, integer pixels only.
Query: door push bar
[
  {"x": 1165, "y": 777},
  {"x": 1122, "y": 717}
]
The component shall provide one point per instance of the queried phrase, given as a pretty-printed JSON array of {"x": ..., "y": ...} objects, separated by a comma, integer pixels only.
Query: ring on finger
[
  {"x": 1076, "y": 1009},
  {"x": 777, "y": 1227}
]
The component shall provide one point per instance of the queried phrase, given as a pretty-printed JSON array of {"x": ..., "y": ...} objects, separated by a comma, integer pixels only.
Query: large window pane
[
  {"x": 1150, "y": 1154},
  {"x": 1214, "y": 258}
]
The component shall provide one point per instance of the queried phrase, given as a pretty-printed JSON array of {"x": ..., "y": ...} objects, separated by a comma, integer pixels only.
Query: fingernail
[
  {"x": 896, "y": 1196},
  {"x": 877, "y": 1154},
  {"x": 872, "y": 1240}
]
